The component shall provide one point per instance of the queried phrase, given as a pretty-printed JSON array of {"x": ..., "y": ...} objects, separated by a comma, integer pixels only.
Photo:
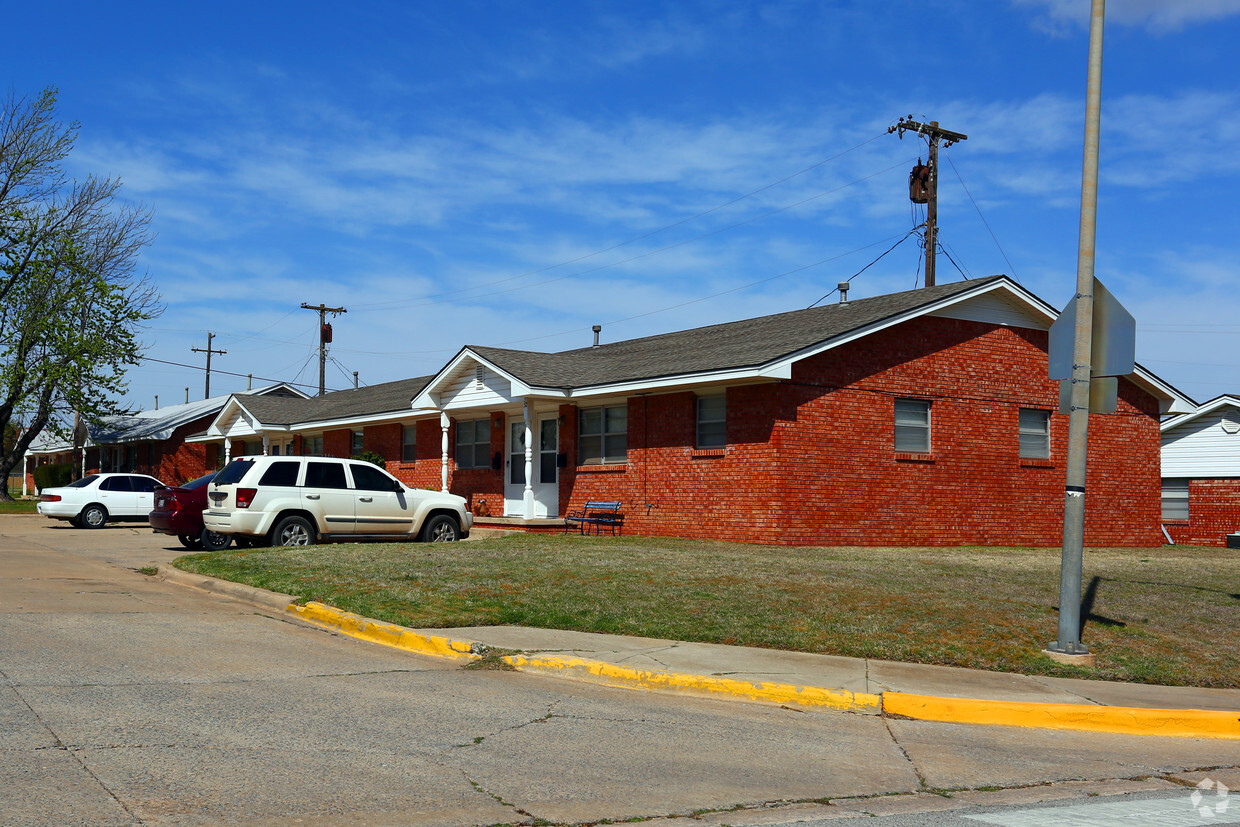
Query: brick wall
[
  {"x": 811, "y": 460},
  {"x": 1213, "y": 511},
  {"x": 338, "y": 443}
]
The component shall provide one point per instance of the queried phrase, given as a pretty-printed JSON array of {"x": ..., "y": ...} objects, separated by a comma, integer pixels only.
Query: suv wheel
[
  {"x": 440, "y": 529},
  {"x": 293, "y": 531}
]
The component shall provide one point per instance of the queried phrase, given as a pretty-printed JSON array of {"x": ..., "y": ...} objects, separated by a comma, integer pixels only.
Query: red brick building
[{"x": 923, "y": 417}]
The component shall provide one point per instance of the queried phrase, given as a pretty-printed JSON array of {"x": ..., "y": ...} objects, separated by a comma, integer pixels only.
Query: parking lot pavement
[{"x": 125, "y": 699}]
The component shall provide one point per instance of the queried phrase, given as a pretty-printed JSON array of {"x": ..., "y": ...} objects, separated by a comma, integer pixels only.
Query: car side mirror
[{"x": 398, "y": 486}]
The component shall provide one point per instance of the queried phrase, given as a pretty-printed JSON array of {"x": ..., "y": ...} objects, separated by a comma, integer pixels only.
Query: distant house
[
  {"x": 1201, "y": 473},
  {"x": 923, "y": 417},
  {"x": 155, "y": 442}
]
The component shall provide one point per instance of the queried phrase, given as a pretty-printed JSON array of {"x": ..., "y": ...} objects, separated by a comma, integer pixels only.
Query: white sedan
[{"x": 95, "y": 499}]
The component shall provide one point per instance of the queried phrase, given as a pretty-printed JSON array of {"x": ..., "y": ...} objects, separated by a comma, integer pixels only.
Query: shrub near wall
[{"x": 53, "y": 475}]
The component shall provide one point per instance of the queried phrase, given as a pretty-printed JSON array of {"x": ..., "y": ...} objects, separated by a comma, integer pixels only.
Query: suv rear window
[
  {"x": 234, "y": 471},
  {"x": 281, "y": 473}
]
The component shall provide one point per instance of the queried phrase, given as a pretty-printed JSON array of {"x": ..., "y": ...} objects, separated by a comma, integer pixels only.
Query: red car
[{"x": 178, "y": 511}]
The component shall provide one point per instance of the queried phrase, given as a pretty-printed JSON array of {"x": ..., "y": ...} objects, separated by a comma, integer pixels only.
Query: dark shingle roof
[
  {"x": 733, "y": 345},
  {"x": 387, "y": 397}
]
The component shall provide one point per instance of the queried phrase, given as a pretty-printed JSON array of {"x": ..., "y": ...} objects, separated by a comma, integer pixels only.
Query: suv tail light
[{"x": 245, "y": 496}]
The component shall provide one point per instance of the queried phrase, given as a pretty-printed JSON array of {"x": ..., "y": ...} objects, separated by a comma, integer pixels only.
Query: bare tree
[{"x": 71, "y": 299}]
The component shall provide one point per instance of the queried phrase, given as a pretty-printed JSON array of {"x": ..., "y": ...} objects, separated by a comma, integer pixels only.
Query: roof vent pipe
[
  {"x": 843, "y": 288},
  {"x": 598, "y": 328},
  {"x": 157, "y": 402},
  {"x": 354, "y": 380},
  {"x": 187, "y": 396}
]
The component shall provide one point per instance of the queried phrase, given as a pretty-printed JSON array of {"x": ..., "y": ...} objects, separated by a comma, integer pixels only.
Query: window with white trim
[
  {"x": 1175, "y": 500},
  {"x": 912, "y": 426},
  {"x": 712, "y": 421},
  {"x": 409, "y": 443},
  {"x": 312, "y": 446},
  {"x": 602, "y": 435},
  {"x": 473, "y": 443},
  {"x": 1035, "y": 433}
]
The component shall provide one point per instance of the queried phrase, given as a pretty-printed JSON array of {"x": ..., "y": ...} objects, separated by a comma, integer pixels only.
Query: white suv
[{"x": 298, "y": 501}]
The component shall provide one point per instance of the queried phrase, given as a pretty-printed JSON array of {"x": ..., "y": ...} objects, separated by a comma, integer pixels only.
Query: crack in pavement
[
  {"x": 542, "y": 719},
  {"x": 68, "y": 750},
  {"x": 921, "y": 779}
]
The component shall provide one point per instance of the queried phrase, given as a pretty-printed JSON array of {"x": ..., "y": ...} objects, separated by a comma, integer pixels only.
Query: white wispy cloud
[{"x": 1154, "y": 15}]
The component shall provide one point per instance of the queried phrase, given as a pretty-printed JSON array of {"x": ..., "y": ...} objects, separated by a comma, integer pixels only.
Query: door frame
[{"x": 546, "y": 495}]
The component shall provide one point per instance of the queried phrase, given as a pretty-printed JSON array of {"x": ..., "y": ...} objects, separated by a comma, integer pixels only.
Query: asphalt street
[{"x": 128, "y": 700}]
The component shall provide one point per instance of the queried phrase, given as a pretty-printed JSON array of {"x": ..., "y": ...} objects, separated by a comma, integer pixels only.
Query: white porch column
[
  {"x": 444, "y": 422},
  {"x": 529, "y": 461},
  {"x": 227, "y": 450},
  {"x": 266, "y": 444}
]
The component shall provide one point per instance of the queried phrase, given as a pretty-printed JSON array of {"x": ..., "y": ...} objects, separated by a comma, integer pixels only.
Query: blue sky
[{"x": 509, "y": 174}]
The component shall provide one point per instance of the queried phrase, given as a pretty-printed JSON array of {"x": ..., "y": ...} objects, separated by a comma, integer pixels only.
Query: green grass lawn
[
  {"x": 18, "y": 506},
  {"x": 1166, "y": 615}
]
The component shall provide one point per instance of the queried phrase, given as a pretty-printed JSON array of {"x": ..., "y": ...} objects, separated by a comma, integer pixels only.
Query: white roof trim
[
  {"x": 1224, "y": 401},
  {"x": 429, "y": 396}
]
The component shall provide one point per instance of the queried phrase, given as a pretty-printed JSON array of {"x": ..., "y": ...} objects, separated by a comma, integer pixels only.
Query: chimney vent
[
  {"x": 843, "y": 288},
  {"x": 598, "y": 328}
]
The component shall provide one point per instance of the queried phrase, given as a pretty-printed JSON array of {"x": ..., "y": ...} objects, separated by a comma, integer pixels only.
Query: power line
[
  {"x": 1011, "y": 267},
  {"x": 647, "y": 254},
  {"x": 711, "y": 296},
  {"x": 872, "y": 263},
  {"x": 225, "y": 372},
  {"x": 375, "y": 305}
]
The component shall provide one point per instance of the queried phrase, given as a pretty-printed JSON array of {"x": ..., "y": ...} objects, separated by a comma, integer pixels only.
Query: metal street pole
[{"x": 1069, "y": 641}]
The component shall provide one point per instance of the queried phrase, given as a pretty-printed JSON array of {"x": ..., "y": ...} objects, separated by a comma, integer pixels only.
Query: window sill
[
  {"x": 904, "y": 456},
  {"x": 612, "y": 468},
  {"x": 1034, "y": 462},
  {"x": 707, "y": 453},
  {"x": 1177, "y": 522}
]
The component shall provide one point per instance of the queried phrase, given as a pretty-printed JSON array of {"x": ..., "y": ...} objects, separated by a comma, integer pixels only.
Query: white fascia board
[
  {"x": 429, "y": 396},
  {"x": 1227, "y": 400},
  {"x": 226, "y": 413},
  {"x": 1030, "y": 301},
  {"x": 1170, "y": 400}
]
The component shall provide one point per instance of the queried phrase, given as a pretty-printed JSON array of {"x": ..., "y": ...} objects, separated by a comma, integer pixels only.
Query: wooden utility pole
[
  {"x": 928, "y": 186},
  {"x": 208, "y": 351},
  {"x": 325, "y": 336}
]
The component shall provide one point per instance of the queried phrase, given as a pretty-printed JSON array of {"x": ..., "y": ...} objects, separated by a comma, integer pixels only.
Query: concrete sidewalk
[
  {"x": 871, "y": 687},
  {"x": 854, "y": 675}
]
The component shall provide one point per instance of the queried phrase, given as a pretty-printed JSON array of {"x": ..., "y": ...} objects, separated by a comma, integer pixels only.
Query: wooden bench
[{"x": 596, "y": 515}]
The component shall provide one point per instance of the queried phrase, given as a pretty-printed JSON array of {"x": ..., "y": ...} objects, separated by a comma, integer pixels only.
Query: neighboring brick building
[
  {"x": 923, "y": 417},
  {"x": 1201, "y": 473},
  {"x": 157, "y": 442}
]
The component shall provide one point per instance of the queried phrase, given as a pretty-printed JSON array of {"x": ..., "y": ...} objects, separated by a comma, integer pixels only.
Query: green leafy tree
[{"x": 71, "y": 298}]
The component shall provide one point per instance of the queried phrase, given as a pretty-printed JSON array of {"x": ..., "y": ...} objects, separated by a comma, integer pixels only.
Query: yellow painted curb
[
  {"x": 625, "y": 677},
  {"x": 386, "y": 634},
  {"x": 1124, "y": 720}
]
